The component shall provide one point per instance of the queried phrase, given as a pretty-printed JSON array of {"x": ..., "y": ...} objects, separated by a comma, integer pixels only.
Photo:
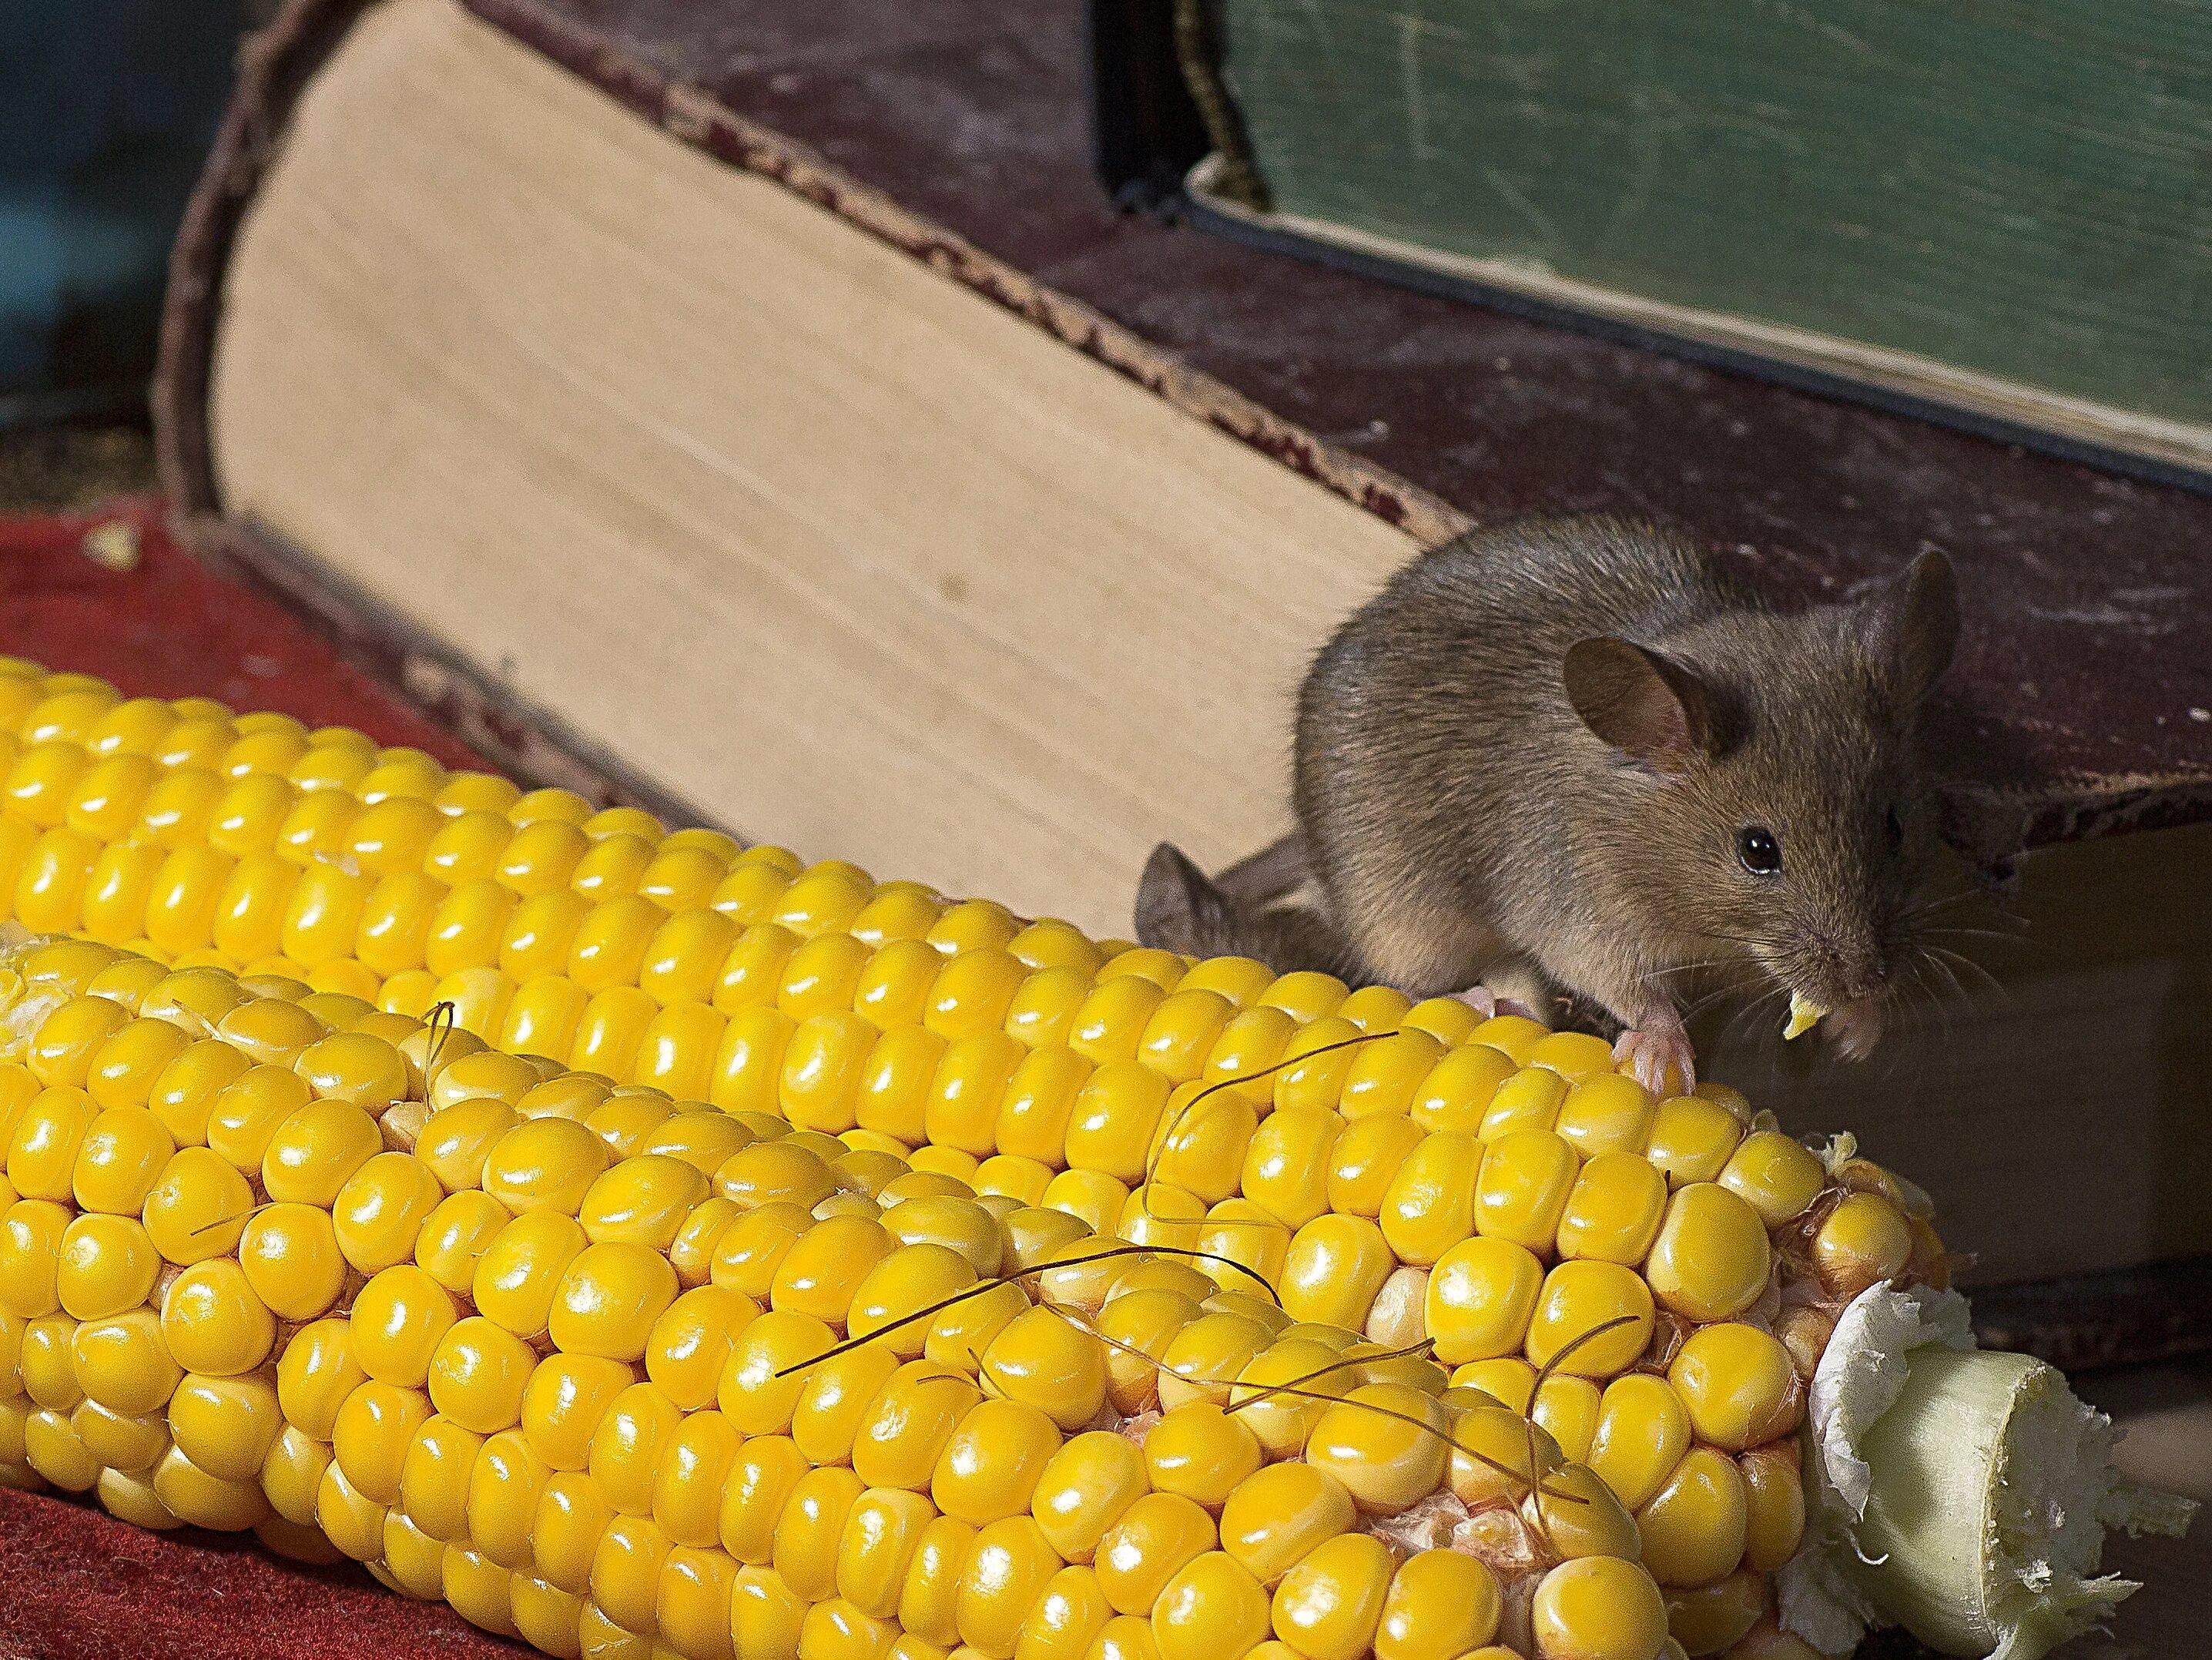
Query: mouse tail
[{"x": 1180, "y": 907}]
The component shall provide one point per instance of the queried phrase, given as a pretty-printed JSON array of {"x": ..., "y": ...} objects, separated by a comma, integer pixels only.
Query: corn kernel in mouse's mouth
[{"x": 1804, "y": 1015}]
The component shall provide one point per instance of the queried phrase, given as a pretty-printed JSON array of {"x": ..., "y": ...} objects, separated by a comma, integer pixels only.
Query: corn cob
[
  {"x": 1486, "y": 1186},
  {"x": 279, "y": 1274}
]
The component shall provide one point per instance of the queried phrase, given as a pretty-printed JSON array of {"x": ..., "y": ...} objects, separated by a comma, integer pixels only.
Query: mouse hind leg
[{"x": 1429, "y": 947}]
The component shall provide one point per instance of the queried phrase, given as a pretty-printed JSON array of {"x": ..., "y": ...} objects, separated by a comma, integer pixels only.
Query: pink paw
[
  {"x": 1652, "y": 1054},
  {"x": 1487, "y": 1004}
]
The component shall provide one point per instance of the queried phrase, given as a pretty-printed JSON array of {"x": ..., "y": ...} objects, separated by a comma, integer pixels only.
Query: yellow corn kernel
[
  {"x": 688, "y": 1346},
  {"x": 837, "y": 1401},
  {"x": 962, "y": 1110},
  {"x": 1614, "y": 1211},
  {"x": 44, "y": 1363},
  {"x": 1044, "y": 1009},
  {"x": 1577, "y": 1304},
  {"x": 1457, "y": 1092},
  {"x": 1305, "y": 996},
  {"x": 1738, "y": 1384},
  {"x": 628, "y": 1445},
  {"x": 1085, "y": 1487},
  {"x": 1330, "y": 1605},
  {"x": 1117, "y": 1116},
  {"x": 1049, "y": 1363},
  {"x": 1364, "y": 1159},
  {"x": 1278, "y": 1514},
  {"x": 1334, "y": 1269},
  {"x": 1711, "y": 1259},
  {"x": 1287, "y": 1161},
  {"x": 374, "y": 1429},
  {"x": 1643, "y": 1431},
  {"x": 1200, "y": 1360},
  {"x": 1146, "y": 1547},
  {"x": 399, "y": 1319},
  {"x": 1375, "y": 1008},
  {"x": 379, "y": 1213},
  {"x": 905, "y": 1432},
  {"x": 1212, "y": 1606},
  {"x": 1388, "y": 1458},
  {"x": 1864, "y": 1241},
  {"x": 1692, "y": 1138},
  {"x": 31, "y": 1234},
  {"x": 807, "y": 1532},
  {"x": 546, "y": 1165},
  {"x": 1711, "y": 1619},
  {"x": 1606, "y": 1112},
  {"x": 974, "y": 925},
  {"x": 1200, "y": 1452},
  {"x": 104, "y": 1266},
  {"x": 1598, "y": 1608},
  {"x": 1774, "y": 1498},
  {"x": 1092, "y": 1196},
  {"x": 1695, "y": 1527},
  {"x": 1430, "y": 1205},
  {"x": 928, "y": 1602},
  {"x": 626, "y": 1571},
  {"x": 1482, "y": 1296},
  {"x": 993, "y": 1461},
  {"x": 1386, "y": 1074},
  {"x": 1777, "y": 1176},
  {"x": 434, "y": 1478},
  {"x": 1521, "y": 1192},
  {"x": 973, "y": 993},
  {"x": 1009, "y": 1565},
  {"x": 751, "y": 1061},
  {"x": 1528, "y": 1099},
  {"x": 1315, "y": 1063},
  {"x": 1250, "y": 1045},
  {"x": 1441, "y": 1604}
]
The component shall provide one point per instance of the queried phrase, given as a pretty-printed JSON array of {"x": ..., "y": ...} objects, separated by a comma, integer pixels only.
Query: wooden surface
[{"x": 841, "y": 553}]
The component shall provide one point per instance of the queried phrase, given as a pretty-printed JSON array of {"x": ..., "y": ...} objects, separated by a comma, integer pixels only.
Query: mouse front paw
[
  {"x": 1654, "y": 1051},
  {"x": 1487, "y": 1004}
]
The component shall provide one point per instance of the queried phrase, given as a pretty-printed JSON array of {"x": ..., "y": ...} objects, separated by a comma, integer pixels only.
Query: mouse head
[{"x": 1773, "y": 808}]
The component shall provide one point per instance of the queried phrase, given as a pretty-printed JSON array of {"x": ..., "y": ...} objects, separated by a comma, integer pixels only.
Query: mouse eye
[
  {"x": 1759, "y": 850},
  {"x": 1893, "y": 826}
]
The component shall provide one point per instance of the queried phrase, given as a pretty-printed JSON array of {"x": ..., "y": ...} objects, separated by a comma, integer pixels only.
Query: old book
[
  {"x": 1993, "y": 210},
  {"x": 913, "y": 508}
]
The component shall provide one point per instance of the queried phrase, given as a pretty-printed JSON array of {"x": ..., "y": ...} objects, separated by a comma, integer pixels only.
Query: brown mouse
[{"x": 1576, "y": 754}]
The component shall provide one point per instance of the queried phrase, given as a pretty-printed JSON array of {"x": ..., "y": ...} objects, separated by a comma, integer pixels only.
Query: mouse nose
[{"x": 1864, "y": 975}]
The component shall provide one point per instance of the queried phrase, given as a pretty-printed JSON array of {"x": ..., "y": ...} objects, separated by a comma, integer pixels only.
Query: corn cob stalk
[
  {"x": 262, "y": 1272},
  {"x": 1488, "y": 1186}
]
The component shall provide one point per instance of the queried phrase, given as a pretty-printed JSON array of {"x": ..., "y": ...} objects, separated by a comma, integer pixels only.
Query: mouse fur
[{"x": 1533, "y": 758}]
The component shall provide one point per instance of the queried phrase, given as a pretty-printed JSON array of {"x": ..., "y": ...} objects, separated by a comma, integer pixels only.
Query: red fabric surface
[
  {"x": 75, "y": 1583},
  {"x": 170, "y": 629}
]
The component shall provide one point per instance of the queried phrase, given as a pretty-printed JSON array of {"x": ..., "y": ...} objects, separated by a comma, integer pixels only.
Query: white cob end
[{"x": 1962, "y": 1493}]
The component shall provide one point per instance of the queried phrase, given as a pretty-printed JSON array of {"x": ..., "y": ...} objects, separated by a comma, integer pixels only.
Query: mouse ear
[
  {"x": 1916, "y": 626},
  {"x": 1645, "y": 704}
]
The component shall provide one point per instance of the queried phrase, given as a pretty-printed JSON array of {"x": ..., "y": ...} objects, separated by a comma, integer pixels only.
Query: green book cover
[{"x": 2009, "y": 201}]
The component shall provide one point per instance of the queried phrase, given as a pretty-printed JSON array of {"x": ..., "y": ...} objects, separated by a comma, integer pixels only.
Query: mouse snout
[
  {"x": 1864, "y": 978},
  {"x": 1850, "y": 969}
]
